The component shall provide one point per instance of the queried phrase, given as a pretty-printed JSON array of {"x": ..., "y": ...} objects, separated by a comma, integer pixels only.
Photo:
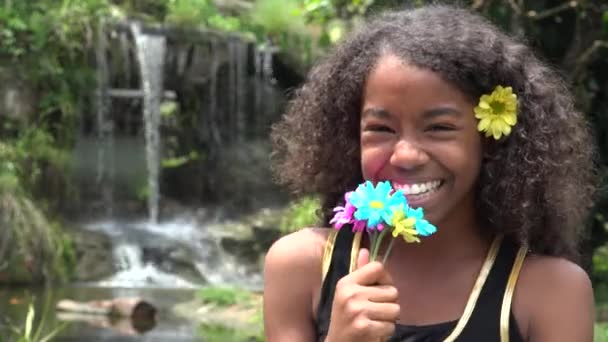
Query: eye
[
  {"x": 440, "y": 128},
  {"x": 378, "y": 128}
]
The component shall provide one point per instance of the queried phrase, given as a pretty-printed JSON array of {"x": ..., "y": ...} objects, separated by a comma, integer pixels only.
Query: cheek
[
  {"x": 373, "y": 162},
  {"x": 469, "y": 162}
]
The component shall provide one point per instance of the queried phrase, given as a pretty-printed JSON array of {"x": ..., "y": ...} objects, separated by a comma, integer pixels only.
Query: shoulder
[
  {"x": 554, "y": 294},
  {"x": 302, "y": 249},
  {"x": 293, "y": 263},
  {"x": 292, "y": 276}
]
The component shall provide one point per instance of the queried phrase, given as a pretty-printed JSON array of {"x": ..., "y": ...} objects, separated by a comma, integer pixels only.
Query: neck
[{"x": 456, "y": 238}]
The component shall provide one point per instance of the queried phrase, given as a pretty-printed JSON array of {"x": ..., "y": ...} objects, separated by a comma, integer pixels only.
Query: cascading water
[
  {"x": 212, "y": 108},
  {"x": 185, "y": 249},
  {"x": 241, "y": 87},
  {"x": 105, "y": 129},
  {"x": 151, "y": 55}
]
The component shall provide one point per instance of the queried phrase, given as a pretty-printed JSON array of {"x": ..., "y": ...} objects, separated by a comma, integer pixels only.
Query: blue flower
[
  {"x": 374, "y": 203},
  {"x": 423, "y": 226}
]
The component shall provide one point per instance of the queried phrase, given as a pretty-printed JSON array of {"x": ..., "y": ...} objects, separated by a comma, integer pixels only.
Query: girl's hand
[{"x": 365, "y": 304}]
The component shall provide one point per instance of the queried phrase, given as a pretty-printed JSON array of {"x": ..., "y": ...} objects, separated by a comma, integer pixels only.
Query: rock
[
  {"x": 245, "y": 250},
  {"x": 265, "y": 236},
  {"x": 94, "y": 257},
  {"x": 175, "y": 259},
  {"x": 18, "y": 100}
]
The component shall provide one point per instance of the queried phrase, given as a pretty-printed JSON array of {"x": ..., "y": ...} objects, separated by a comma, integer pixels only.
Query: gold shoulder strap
[
  {"x": 505, "y": 311},
  {"x": 474, "y": 295},
  {"x": 354, "y": 252},
  {"x": 329, "y": 248}
]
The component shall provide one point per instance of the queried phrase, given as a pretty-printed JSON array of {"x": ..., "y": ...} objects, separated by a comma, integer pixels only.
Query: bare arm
[
  {"x": 561, "y": 301},
  {"x": 292, "y": 270}
]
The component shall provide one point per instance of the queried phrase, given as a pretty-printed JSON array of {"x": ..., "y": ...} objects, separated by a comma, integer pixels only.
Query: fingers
[
  {"x": 382, "y": 294},
  {"x": 372, "y": 273},
  {"x": 363, "y": 258},
  {"x": 379, "y": 330},
  {"x": 386, "y": 312}
]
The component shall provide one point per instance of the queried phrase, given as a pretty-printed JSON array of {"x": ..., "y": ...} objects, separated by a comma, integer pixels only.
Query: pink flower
[
  {"x": 344, "y": 215},
  {"x": 359, "y": 225}
]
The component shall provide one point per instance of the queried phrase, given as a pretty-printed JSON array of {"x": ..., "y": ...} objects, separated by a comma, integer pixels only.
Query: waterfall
[
  {"x": 104, "y": 177},
  {"x": 257, "y": 96},
  {"x": 150, "y": 50},
  {"x": 126, "y": 56},
  {"x": 212, "y": 109},
  {"x": 232, "y": 95},
  {"x": 241, "y": 88}
]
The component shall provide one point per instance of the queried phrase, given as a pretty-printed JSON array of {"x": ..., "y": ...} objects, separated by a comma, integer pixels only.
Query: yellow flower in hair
[{"x": 497, "y": 112}]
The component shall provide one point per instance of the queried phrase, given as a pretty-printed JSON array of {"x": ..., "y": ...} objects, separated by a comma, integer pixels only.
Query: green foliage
[
  {"x": 23, "y": 159},
  {"x": 223, "y": 296},
  {"x": 169, "y": 109},
  {"x": 277, "y": 16},
  {"x": 217, "y": 332},
  {"x": 324, "y": 11},
  {"x": 200, "y": 13},
  {"x": 36, "y": 330},
  {"x": 48, "y": 42},
  {"x": 38, "y": 251},
  {"x": 299, "y": 214},
  {"x": 237, "y": 315},
  {"x": 142, "y": 191},
  {"x": 600, "y": 333},
  {"x": 179, "y": 161},
  {"x": 66, "y": 259}
]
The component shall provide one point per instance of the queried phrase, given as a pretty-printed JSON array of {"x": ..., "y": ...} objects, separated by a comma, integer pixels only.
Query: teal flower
[
  {"x": 423, "y": 226},
  {"x": 374, "y": 203}
]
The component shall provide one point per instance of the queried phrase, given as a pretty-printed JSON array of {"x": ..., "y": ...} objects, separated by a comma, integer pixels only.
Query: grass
[
  {"x": 236, "y": 315},
  {"x": 223, "y": 296},
  {"x": 600, "y": 332}
]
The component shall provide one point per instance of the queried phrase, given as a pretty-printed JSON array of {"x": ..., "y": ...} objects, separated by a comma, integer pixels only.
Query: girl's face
[{"x": 419, "y": 132}]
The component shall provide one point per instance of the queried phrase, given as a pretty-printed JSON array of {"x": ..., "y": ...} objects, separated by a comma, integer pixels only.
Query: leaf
[
  {"x": 17, "y": 24},
  {"x": 53, "y": 333},
  {"x": 29, "y": 321}
]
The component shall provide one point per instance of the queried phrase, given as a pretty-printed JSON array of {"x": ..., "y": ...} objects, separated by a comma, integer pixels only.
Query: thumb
[{"x": 363, "y": 258}]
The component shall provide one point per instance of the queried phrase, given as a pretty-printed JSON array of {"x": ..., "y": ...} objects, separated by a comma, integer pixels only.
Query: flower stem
[
  {"x": 372, "y": 241},
  {"x": 377, "y": 244},
  {"x": 388, "y": 251}
]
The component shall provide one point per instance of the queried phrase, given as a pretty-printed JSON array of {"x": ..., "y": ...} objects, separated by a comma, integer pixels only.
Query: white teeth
[{"x": 419, "y": 188}]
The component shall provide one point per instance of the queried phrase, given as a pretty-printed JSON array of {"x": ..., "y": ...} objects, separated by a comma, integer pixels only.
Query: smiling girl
[{"x": 474, "y": 129}]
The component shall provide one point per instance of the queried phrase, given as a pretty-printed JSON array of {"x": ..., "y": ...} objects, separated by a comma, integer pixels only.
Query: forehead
[{"x": 395, "y": 83}]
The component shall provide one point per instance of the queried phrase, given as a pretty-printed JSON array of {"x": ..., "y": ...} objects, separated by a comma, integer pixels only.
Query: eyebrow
[
  {"x": 382, "y": 113},
  {"x": 441, "y": 111},
  {"x": 377, "y": 112}
]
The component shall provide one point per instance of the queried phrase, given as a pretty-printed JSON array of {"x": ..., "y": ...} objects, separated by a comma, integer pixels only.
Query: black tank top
[{"x": 485, "y": 314}]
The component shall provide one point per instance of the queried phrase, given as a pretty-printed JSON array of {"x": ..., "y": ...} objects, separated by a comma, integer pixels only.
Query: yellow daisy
[
  {"x": 404, "y": 226},
  {"x": 497, "y": 112}
]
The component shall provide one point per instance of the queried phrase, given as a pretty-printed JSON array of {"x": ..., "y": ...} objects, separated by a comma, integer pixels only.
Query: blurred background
[{"x": 134, "y": 154}]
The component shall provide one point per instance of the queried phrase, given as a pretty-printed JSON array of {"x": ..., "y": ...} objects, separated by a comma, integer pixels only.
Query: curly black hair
[{"x": 536, "y": 186}]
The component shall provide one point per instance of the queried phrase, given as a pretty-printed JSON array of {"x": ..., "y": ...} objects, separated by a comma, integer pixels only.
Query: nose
[{"x": 408, "y": 155}]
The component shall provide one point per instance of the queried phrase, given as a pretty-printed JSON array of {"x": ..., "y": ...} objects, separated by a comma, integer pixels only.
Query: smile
[{"x": 418, "y": 188}]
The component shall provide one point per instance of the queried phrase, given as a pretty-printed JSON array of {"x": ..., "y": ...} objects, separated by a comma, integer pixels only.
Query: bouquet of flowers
[{"x": 380, "y": 209}]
